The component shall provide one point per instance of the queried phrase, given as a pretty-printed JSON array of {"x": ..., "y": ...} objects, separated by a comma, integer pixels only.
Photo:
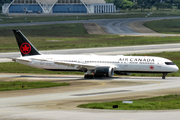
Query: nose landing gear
[{"x": 164, "y": 76}]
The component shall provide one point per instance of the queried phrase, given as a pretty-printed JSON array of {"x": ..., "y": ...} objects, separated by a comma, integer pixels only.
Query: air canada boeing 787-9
[{"x": 91, "y": 65}]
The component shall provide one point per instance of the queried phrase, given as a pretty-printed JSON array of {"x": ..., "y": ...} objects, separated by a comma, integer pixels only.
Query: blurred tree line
[{"x": 145, "y": 4}]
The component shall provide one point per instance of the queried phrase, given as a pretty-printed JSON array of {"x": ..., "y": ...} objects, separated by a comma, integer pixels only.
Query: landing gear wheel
[
  {"x": 164, "y": 76},
  {"x": 91, "y": 76},
  {"x": 88, "y": 76}
]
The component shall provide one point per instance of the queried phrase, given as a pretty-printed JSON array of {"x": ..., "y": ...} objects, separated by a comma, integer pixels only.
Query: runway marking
[
  {"x": 98, "y": 93},
  {"x": 20, "y": 78},
  {"x": 157, "y": 85},
  {"x": 100, "y": 28},
  {"x": 101, "y": 84}
]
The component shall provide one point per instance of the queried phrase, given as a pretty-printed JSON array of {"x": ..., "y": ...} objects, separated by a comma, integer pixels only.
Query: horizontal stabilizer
[{"x": 23, "y": 59}]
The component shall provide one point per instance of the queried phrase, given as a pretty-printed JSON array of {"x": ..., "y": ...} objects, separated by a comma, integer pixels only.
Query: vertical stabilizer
[{"x": 25, "y": 46}]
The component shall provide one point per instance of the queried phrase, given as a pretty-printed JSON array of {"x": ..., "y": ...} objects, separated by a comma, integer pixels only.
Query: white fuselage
[{"x": 120, "y": 63}]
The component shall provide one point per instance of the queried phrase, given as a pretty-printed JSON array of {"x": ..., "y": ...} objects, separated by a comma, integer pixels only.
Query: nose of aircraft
[{"x": 176, "y": 68}]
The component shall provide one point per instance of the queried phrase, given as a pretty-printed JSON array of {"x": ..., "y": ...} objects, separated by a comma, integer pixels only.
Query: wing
[
  {"x": 76, "y": 64},
  {"x": 21, "y": 59},
  {"x": 89, "y": 66}
]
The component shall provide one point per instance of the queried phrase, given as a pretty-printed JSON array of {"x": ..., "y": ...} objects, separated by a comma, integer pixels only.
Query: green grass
[
  {"x": 40, "y": 18},
  {"x": 68, "y": 36},
  {"x": 22, "y": 85},
  {"x": 2, "y": 15},
  {"x": 54, "y": 30},
  {"x": 171, "y": 26},
  {"x": 155, "y": 103},
  {"x": 8, "y": 44}
]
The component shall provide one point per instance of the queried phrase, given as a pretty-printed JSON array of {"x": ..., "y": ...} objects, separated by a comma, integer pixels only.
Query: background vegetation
[
  {"x": 22, "y": 85},
  {"x": 171, "y": 26},
  {"x": 146, "y": 4},
  {"x": 155, "y": 103},
  {"x": 68, "y": 36}
]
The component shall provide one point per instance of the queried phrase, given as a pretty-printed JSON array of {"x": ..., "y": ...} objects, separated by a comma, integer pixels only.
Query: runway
[{"x": 60, "y": 102}]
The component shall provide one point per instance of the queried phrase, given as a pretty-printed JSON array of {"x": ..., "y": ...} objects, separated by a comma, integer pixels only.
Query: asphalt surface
[
  {"x": 110, "y": 26},
  {"x": 60, "y": 102},
  {"x": 123, "y": 26}
]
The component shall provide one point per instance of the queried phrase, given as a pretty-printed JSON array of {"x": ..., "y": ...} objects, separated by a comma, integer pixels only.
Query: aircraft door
[
  {"x": 159, "y": 63},
  {"x": 80, "y": 60}
]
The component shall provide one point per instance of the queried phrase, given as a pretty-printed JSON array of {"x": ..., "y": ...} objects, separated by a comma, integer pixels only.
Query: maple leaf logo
[
  {"x": 151, "y": 67},
  {"x": 25, "y": 48}
]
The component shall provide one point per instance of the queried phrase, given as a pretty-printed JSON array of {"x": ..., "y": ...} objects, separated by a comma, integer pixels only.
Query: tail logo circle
[{"x": 25, "y": 48}]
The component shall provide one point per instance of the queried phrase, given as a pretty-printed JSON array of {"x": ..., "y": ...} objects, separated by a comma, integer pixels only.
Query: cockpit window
[{"x": 169, "y": 63}]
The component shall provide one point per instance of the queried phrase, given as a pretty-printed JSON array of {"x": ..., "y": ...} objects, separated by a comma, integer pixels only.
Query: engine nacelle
[
  {"x": 122, "y": 73},
  {"x": 104, "y": 71}
]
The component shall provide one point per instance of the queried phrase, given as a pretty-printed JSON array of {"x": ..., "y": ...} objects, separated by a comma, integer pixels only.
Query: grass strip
[
  {"x": 155, "y": 103},
  {"x": 8, "y": 44},
  {"x": 68, "y": 36},
  {"x": 171, "y": 26},
  {"x": 40, "y": 18},
  {"x": 54, "y": 30},
  {"x": 22, "y": 85},
  {"x": 14, "y": 67}
]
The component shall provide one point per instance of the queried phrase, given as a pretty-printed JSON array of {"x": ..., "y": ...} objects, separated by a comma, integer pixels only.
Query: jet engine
[{"x": 103, "y": 72}]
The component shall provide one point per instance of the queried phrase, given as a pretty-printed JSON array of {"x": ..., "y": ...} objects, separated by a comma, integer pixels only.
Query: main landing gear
[
  {"x": 89, "y": 76},
  {"x": 164, "y": 76}
]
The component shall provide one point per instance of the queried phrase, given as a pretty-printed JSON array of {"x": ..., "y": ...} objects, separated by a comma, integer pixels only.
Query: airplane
[
  {"x": 91, "y": 65},
  {"x": 27, "y": 11}
]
